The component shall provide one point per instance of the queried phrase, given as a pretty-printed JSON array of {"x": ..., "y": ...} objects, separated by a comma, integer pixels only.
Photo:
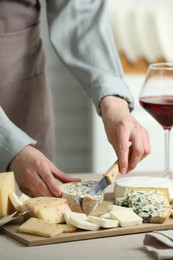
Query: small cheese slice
[
  {"x": 68, "y": 228},
  {"x": 40, "y": 227},
  {"x": 155, "y": 183},
  {"x": 7, "y": 184},
  {"x": 34, "y": 204},
  {"x": 103, "y": 222},
  {"x": 80, "y": 220},
  {"x": 54, "y": 214},
  {"x": 126, "y": 217},
  {"x": 105, "y": 215},
  {"x": 116, "y": 207},
  {"x": 67, "y": 216},
  {"x": 18, "y": 205},
  {"x": 23, "y": 197}
]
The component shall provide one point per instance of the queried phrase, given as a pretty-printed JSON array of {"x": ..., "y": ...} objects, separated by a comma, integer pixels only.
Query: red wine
[{"x": 161, "y": 108}]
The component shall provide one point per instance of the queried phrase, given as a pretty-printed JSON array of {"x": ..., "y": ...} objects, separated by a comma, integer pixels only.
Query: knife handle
[{"x": 112, "y": 173}]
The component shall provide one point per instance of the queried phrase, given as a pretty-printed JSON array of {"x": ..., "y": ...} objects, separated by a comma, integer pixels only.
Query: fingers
[
  {"x": 48, "y": 173},
  {"x": 47, "y": 184},
  {"x": 137, "y": 138}
]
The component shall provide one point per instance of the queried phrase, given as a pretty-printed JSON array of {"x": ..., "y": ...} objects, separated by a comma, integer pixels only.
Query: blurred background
[{"x": 143, "y": 34}]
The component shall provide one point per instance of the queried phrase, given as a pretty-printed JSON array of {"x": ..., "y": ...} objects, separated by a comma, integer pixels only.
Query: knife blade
[{"x": 108, "y": 178}]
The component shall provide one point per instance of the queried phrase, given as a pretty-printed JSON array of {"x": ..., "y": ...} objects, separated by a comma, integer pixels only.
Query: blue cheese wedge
[
  {"x": 151, "y": 205},
  {"x": 72, "y": 189}
]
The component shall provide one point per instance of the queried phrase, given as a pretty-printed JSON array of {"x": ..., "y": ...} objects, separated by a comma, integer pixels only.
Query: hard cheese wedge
[
  {"x": 7, "y": 184},
  {"x": 35, "y": 204},
  {"x": 40, "y": 227},
  {"x": 126, "y": 217},
  {"x": 53, "y": 214}
]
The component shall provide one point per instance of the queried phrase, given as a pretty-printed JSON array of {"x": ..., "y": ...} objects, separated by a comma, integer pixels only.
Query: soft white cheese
[{"x": 142, "y": 181}]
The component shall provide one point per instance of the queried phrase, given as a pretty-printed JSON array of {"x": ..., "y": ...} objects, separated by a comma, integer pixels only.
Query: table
[{"x": 124, "y": 247}]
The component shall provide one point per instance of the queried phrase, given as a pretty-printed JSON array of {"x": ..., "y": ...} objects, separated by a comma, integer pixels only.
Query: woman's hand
[
  {"x": 123, "y": 129},
  {"x": 36, "y": 175}
]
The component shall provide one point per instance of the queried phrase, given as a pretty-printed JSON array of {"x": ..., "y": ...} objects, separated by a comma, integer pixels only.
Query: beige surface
[{"x": 118, "y": 247}]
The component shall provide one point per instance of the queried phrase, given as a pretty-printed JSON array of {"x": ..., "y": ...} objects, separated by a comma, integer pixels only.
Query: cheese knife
[{"x": 108, "y": 178}]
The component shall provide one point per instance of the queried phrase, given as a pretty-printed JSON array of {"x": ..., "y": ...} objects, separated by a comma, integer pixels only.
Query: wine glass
[{"x": 156, "y": 97}]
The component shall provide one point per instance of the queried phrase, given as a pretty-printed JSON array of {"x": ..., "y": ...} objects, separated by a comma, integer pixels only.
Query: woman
[{"x": 81, "y": 36}]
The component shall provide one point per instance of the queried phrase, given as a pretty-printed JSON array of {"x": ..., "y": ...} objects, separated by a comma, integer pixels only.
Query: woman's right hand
[{"x": 36, "y": 175}]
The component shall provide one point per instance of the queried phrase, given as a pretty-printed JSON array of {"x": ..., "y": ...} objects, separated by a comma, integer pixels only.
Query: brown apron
[{"x": 24, "y": 92}]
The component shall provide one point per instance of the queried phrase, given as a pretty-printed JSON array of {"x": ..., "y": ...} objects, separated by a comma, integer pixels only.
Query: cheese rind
[{"x": 7, "y": 184}]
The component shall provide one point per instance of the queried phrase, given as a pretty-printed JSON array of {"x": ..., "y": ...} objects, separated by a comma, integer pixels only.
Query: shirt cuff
[
  {"x": 12, "y": 140},
  {"x": 111, "y": 86}
]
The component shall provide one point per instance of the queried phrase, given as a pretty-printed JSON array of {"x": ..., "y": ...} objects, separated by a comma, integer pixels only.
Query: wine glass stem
[{"x": 167, "y": 172}]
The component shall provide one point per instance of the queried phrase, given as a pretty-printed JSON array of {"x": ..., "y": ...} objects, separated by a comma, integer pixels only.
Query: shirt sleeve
[
  {"x": 81, "y": 35},
  {"x": 12, "y": 140}
]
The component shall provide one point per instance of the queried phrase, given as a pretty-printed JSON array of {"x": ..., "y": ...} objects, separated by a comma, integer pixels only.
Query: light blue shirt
[{"x": 80, "y": 33}]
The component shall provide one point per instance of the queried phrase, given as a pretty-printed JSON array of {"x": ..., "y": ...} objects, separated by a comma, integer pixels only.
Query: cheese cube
[
  {"x": 40, "y": 227},
  {"x": 7, "y": 184}
]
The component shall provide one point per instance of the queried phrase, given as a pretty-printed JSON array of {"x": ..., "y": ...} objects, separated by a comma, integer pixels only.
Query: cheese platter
[{"x": 12, "y": 229}]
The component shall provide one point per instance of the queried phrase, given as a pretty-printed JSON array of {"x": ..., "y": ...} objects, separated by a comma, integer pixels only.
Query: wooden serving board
[{"x": 33, "y": 240}]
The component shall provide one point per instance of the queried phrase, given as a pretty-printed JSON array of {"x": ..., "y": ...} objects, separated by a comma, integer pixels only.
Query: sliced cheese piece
[
  {"x": 7, "y": 184},
  {"x": 80, "y": 220},
  {"x": 116, "y": 207},
  {"x": 103, "y": 222},
  {"x": 122, "y": 184},
  {"x": 83, "y": 224},
  {"x": 71, "y": 190},
  {"x": 126, "y": 217},
  {"x": 23, "y": 197},
  {"x": 40, "y": 227},
  {"x": 68, "y": 228},
  {"x": 105, "y": 215},
  {"x": 34, "y": 204},
  {"x": 53, "y": 214},
  {"x": 67, "y": 216},
  {"x": 18, "y": 205}
]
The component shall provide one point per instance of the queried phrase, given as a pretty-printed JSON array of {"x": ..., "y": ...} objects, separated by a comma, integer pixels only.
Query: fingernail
[{"x": 123, "y": 171}]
